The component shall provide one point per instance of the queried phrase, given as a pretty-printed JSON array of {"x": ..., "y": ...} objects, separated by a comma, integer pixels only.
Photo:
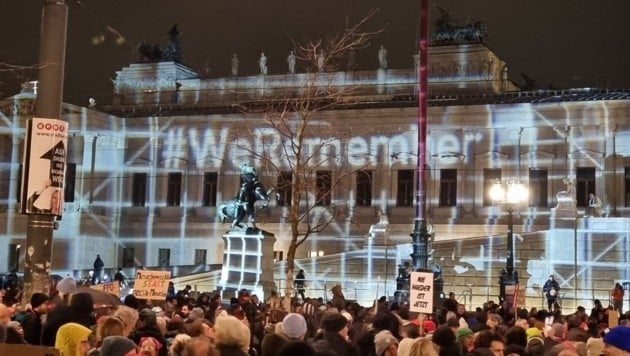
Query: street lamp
[{"x": 508, "y": 198}]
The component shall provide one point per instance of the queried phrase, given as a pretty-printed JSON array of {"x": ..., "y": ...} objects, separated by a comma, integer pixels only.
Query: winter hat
[
  {"x": 68, "y": 285},
  {"x": 117, "y": 345},
  {"x": 294, "y": 326},
  {"x": 69, "y": 337},
  {"x": 333, "y": 322},
  {"x": 38, "y": 299},
  {"x": 619, "y": 337},
  {"x": 463, "y": 333},
  {"x": 444, "y": 336},
  {"x": 533, "y": 332},
  {"x": 429, "y": 326},
  {"x": 382, "y": 340}
]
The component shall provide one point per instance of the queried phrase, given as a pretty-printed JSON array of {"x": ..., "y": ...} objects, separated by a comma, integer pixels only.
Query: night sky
[{"x": 559, "y": 43}]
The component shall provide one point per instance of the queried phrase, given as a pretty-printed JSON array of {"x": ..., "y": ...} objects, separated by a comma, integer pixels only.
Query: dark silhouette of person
[
  {"x": 98, "y": 269},
  {"x": 300, "y": 283},
  {"x": 551, "y": 289}
]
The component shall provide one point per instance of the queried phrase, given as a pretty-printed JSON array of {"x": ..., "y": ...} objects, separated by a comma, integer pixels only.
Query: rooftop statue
[
  {"x": 448, "y": 32},
  {"x": 242, "y": 205},
  {"x": 566, "y": 198},
  {"x": 153, "y": 53}
]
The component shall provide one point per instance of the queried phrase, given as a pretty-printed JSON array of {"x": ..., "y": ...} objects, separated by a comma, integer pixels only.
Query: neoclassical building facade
[{"x": 145, "y": 175}]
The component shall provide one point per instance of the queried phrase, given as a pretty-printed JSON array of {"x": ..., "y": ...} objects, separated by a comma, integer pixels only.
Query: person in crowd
[
  {"x": 147, "y": 326},
  {"x": 72, "y": 339},
  {"x": 466, "y": 339},
  {"x": 121, "y": 278},
  {"x": 617, "y": 341},
  {"x": 385, "y": 343},
  {"x": 445, "y": 338},
  {"x": 551, "y": 289},
  {"x": 98, "y": 269},
  {"x": 32, "y": 318},
  {"x": 616, "y": 295},
  {"x": 334, "y": 335},
  {"x": 451, "y": 303},
  {"x": 129, "y": 318},
  {"x": 598, "y": 313},
  {"x": 232, "y": 336},
  {"x": 80, "y": 311},
  {"x": 294, "y": 326},
  {"x": 423, "y": 347},
  {"x": 199, "y": 346},
  {"x": 117, "y": 346},
  {"x": 300, "y": 284}
]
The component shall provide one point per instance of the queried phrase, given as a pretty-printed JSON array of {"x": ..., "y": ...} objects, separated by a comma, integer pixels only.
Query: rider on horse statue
[{"x": 250, "y": 192}]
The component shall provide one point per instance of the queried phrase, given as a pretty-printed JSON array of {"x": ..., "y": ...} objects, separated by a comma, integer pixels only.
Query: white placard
[
  {"x": 421, "y": 292},
  {"x": 151, "y": 284}
]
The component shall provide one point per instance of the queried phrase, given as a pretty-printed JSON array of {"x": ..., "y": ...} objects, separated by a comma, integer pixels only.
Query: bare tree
[{"x": 311, "y": 166}]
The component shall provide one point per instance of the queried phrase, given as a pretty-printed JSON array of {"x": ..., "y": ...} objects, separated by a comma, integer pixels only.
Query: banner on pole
[
  {"x": 421, "y": 292},
  {"x": 44, "y": 166}
]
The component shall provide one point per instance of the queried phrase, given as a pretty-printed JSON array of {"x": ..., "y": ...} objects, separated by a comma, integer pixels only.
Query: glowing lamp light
[{"x": 515, "y": 193}]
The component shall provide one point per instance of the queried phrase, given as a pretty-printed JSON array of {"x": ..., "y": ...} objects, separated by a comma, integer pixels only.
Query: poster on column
[
  {"x": 44, "y": 166},
  {"x": 421, "y": 292}
]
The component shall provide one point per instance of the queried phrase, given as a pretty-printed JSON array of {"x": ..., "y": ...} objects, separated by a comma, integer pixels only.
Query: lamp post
[{"x": 508, "y": 198}]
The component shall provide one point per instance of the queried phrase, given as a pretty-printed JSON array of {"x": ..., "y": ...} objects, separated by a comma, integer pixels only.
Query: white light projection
[{"x": 558, "y": 137}]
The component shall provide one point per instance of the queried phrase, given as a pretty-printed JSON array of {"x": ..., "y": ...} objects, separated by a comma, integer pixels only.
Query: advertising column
[{"x": 42, "y": 193}]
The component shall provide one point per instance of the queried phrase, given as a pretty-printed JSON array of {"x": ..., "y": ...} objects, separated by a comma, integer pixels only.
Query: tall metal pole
[
  {"x": 52, "y": 53},
  {"x": 510, "y": 246},
  {"x": 420, "y": 235}
]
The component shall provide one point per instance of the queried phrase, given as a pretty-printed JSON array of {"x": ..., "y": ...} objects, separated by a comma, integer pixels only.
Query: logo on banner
[{"x": 45, "y": 164}]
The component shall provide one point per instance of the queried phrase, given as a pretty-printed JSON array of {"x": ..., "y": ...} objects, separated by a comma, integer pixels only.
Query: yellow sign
[{"x": 151, "y": 284}]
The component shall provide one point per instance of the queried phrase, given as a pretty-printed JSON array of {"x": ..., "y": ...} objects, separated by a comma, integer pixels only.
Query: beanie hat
[
  {"x": 533, "y": 332},
  {"x": 333, "y": 322},
  {"x": 382, "y": 340},
  {"x": 68, "y": 285},
  {"x": 294, "y": 326},
  {"x": 443, "y": 336},
  {"x": 117, "y": 345},
  {"x": 38, "y": 299},
  {"x": 619, "y": 337},
  {"x": 429, "y": 326},
  {"x": 463, "y": 333}
]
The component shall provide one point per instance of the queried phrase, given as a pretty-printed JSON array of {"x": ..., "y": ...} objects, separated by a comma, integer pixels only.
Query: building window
[
  {"x": 210, "y": 180},
  {"x": 538, "y": 180},
  {"x": 404, "y": 195},
  {"x": 164, "y": 257},
  {"x": 448, "y": 187},
  {"x": 364, "y": 188},
  {"x": 129, "y": 257},
  {"x": 285, "y": 188},
  {"x": 174, "y": 189},
  {"x": 319, "y": 253},
  {"x": 139, "y": 189},
  {"x": 324, "y": 187},
  {"x": 585, "y": 185},
  {"x": 277, "y": 256},
  {"x": 69, "y": 184},
  {"x": 490, "y": 177},
  {"x": 200, "y": 257}
]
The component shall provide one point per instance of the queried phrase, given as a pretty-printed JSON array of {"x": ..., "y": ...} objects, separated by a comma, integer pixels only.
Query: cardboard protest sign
[
  {"x": 421, "y": 292},
  {"x": 151, "y": 284}
]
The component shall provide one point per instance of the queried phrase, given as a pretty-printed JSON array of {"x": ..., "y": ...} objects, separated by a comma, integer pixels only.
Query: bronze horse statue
[{"x": 238, "y": 209}]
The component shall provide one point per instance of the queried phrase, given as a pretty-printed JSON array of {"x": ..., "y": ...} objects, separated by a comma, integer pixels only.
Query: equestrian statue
[{"x": 250, "y": 192}]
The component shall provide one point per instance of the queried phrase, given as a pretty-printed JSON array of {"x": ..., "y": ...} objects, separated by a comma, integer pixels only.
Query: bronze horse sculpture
[
  {"x": 237, "y": 210},
  {"x": 251, "y": 191}
]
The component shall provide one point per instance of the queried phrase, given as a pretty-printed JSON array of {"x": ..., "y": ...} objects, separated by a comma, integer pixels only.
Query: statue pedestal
[
  {"x": 566, "y": 208},
  {"x": 247, "y": 263}
]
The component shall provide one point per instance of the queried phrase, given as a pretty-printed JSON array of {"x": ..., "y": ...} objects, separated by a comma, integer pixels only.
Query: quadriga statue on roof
[{"x": 250, "y": 192}]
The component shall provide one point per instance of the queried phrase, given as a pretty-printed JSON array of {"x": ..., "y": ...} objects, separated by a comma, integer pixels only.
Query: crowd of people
[{"x": 187, "y": 323}]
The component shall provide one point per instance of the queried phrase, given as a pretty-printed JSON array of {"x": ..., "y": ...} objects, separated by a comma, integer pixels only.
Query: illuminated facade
[{"x": 146, "y": 178}]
